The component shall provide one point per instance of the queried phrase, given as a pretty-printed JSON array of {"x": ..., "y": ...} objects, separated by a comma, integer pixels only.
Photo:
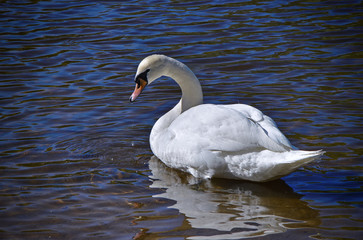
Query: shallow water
[{"x": 75, "y": 159}]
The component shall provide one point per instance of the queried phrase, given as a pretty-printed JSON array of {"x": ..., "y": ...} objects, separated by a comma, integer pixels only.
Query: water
[{"x": 75, "y": 159}]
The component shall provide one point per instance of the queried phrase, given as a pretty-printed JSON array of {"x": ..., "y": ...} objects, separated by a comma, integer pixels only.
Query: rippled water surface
[{"x": 75, "y": 158}]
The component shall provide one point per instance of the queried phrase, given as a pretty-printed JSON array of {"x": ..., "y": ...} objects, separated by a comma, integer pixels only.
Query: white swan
[{"x": 224, "y": 141}]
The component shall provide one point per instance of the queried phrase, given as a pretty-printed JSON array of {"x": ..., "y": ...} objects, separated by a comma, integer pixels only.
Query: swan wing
[
  {"x": 228, "y": 128},
  {"x": 265, "y": 122}
]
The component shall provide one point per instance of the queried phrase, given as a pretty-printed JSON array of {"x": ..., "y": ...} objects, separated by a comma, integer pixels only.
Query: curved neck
[{"x": 192, "y": 94}]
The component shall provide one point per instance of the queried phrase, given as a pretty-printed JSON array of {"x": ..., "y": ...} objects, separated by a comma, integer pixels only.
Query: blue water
[{"x": 75, "y": 158}]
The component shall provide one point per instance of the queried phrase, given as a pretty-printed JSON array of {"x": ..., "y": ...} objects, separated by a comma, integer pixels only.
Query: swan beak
[{"x": 140, "y": 85}]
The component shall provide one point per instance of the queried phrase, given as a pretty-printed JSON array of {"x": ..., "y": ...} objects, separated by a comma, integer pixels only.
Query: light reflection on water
[
  {"x": 232, "y": 209},
  {"x": 75, "y": 154}
]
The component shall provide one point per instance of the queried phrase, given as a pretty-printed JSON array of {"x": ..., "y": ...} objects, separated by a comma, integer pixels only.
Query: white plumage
[{"x": 234, "y": 141}]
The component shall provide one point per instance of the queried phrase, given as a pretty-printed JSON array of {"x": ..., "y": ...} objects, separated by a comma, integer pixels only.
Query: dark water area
[{"x": 75, "y": 158}]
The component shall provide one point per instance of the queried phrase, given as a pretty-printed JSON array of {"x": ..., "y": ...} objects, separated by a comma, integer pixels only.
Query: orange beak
[{"x": 140, "y": 85}]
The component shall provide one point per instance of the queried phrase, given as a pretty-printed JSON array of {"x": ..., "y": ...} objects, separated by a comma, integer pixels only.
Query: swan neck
[{"x": 189, "y": 84}]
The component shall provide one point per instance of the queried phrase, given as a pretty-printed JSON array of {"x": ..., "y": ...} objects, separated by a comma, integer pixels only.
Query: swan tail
[
  {"x": 303, "y": 157},
  {"x": 293, "y": 160},
  {"x": 267, "y": 165}
]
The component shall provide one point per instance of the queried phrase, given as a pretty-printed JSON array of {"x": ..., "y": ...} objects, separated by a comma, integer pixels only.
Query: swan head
[{"x": 149, "y": 69}]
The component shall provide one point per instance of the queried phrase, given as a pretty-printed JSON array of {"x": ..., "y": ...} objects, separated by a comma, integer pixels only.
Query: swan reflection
[{"x": 235, "y": 209}]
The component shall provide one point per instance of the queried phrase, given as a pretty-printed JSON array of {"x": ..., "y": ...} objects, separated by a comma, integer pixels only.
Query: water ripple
[{"x": 71, "y": 142}]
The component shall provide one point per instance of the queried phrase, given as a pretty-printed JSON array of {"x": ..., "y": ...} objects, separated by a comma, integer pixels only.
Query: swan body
[{"x": 235, "y": 141}]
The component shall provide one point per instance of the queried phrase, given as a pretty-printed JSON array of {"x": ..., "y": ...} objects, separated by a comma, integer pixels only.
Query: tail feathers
[
  {"x": 300, "y": 157},
  {"x": 294, "y": 160},
  {"x": 311, "y": 153}
]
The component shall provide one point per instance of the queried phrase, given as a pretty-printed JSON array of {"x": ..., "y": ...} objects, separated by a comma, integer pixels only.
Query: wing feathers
[{"x": 236, "y": 127}]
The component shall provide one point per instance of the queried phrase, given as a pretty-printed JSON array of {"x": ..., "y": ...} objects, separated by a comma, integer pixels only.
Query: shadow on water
[{"x": 225, "y": 209}]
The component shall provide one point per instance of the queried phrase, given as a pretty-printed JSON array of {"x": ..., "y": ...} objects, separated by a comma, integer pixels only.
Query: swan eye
[{"x": 142, "y": 76}]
